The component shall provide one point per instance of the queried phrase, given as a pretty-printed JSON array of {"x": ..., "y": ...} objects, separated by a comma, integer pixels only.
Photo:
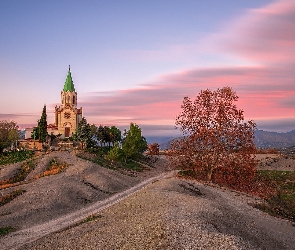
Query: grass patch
[
  {"x": 100, "y": 157},
  {"x": 13, "y": 157},
  {"x": 20, "y": 175},
  {"x": 9, "y": 197},
  {"x": 6, "y": 230},
  {"x": 55, "y": 167},
  {"x": 282, "y": 202},
  {"x": 91, "y": 217},
  {"x": 132, "y": 165}
]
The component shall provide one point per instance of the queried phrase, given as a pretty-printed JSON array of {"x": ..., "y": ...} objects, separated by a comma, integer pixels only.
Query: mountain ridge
[{"x": 262, "y": 139}]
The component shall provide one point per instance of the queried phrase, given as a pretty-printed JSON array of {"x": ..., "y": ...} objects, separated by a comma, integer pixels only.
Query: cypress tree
[{"x": 42, "y": 125}]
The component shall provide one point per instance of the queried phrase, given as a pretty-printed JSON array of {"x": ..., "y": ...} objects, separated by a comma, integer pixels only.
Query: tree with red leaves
[
  {"x": 153, "y": 149},
  {"x": 217, "y": 144}
]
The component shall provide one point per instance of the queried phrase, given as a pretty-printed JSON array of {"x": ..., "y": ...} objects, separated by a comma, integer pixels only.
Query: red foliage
[
  {"x": 217, "y": 143},
  {"x": 153, "y": 149}
]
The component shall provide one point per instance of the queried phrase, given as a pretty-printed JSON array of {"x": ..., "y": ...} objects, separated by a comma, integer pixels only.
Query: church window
[
  {"x": 67, "y": 115},
  {"x": 74, "y": 99}
]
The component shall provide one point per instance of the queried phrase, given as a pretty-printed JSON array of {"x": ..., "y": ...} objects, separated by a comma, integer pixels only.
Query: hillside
[
  {"x": 263, "y": 139},
  {"x": 81, "y": 184},
  {"x": 90, "y": 207}
]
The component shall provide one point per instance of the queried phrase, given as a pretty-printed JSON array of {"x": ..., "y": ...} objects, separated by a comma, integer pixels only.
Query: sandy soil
[
  {"x": 171, "y": 214},
  {"x": 275, "y": 162}
]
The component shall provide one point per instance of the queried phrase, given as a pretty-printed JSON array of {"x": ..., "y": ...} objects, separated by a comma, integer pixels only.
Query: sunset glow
[{"x": 135, "y": 63}]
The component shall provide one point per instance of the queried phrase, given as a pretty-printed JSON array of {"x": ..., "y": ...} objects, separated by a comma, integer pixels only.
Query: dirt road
[
  {"x": 172, "y": 214},
  {"x": 135, "y": 212},
  {"x": 22, "y": 237}
]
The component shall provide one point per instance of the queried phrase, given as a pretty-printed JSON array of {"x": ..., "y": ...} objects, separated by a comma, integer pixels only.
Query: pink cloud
[
  {"x": 262, "y": 93},
  {"x": 264, "y": 35}
]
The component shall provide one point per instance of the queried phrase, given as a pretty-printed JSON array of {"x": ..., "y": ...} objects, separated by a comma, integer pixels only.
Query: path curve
[{"x": 22, "y": 237}]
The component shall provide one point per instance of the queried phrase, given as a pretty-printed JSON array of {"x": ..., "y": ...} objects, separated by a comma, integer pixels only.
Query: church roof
[{"x": 69, "y": 84}]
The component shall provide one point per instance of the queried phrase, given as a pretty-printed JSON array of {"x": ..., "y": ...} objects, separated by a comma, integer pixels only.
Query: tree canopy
[
  {"x": 217, "y": 144},
  {"x": 153, "y": 149},
  {"x": 105, "y": 134},
  {"x": 8, "y": 133},
  {"x": 40, "y": 132},
  {"x": 83, "y": 132},
  {"x": 42, "y": 125},
  {"x": 134, "y": 144}
]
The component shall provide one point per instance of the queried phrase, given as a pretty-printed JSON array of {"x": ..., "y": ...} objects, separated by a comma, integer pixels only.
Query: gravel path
[
  {"x": 171, "y": 214},
  {"x": 134, "y": 212},
  {"x": 20, "y": 238}
]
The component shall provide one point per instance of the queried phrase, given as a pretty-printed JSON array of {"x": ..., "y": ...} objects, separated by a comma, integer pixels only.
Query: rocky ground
[
  {"x": 275, "y": 162},
  {"x": 167, "y": 214}
]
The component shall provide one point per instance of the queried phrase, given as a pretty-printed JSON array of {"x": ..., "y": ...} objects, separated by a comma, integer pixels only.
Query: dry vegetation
[
  {"x": 9, "y": 197},
  {"x": 20, "y": 175},
  {"x": 55, "y": 167},
  {"x": 279, "y": 193}
]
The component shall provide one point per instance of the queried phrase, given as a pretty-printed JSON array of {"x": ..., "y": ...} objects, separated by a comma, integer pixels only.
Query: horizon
[{"x": 136, "y": 61}]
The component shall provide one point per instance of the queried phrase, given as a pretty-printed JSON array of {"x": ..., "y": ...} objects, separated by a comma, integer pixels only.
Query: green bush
[
  {"x": 101, "y": 157},
  {"x": 116, "y": 153},
  {"x": 13, "y": 157},
  {"x": 6, "y": 230},
  {"x": 282, "y": 203}
]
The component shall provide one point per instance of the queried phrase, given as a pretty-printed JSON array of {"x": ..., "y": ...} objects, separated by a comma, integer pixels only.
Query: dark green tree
[
  {"x": 99, "y": 134},
  {"x": 93, "y": 130},
  {"x": 115, "y": 135},
  {"x": 35, "y": 133},
  {"x": 106, "y": 135},
  {"x": 134, "y": 144},
  {"x": 83, "y": 133},
  {"x": 93, "y": 135},
  {"x": 109, "y": 135},
  {"x": 42, "y": 126}
]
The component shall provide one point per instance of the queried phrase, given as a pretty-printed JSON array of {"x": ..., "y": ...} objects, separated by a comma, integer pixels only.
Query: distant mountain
[{"x": 263, "y": 139}]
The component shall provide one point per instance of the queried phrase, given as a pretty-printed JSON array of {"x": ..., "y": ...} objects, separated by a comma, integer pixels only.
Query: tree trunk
[{"x": 210, "y": 172}]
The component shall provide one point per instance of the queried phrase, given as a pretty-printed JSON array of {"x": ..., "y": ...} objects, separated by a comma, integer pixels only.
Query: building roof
[{"x": 69, "y": 84}]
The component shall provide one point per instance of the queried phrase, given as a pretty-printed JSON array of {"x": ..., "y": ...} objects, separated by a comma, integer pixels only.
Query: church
[{"x": 67, "y": 116}]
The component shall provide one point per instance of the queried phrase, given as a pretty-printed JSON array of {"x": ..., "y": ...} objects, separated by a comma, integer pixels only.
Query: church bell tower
[{"x": 67, "y": 115}]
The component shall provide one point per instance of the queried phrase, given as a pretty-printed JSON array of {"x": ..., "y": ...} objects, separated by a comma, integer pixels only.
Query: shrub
[
  {"x": 6, "y": 230},
  {"x": 9, "y": 197},
  {"x": 55, "y": 167},
  {"x": 116, "y": 153}
]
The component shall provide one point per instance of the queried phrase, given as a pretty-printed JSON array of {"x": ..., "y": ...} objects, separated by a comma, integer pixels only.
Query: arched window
[
  {"x": 68, "y": 99},
  {"x": 74, "y": 99}
]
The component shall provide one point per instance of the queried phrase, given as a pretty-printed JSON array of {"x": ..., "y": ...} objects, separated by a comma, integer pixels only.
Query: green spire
[{"x": 69, "y": 84}]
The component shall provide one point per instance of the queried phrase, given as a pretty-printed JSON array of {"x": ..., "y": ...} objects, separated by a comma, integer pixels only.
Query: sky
[{"x": 135, "y": 61}]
